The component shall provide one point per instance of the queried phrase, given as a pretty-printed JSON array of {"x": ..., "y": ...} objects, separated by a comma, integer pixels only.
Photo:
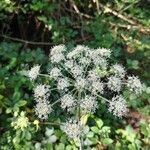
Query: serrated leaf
[
  {"x": 107, "y": 141},
  {"x": 99, "y": 123},
  {"x": 61, "y": 146},
  {"x": 21, "y": 103},
  {"x": 90, "y": 134},
  {"x": 95, "y": 129}
]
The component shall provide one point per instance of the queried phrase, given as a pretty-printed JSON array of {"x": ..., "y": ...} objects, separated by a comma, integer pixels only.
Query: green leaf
[
  {"x": 90, "y": 134},
  {"x": 49, "y": 146},
  {"x": 107, "y": 141},
  {"x": 95, "y": 129},
  {"x": 61, "y": 146},
  {"x": 99, "y": 123},
  {"x": 68, "y": 147},
  {"x": 21, "y": 103},
  {"x": 1, "y": 97},
  {"x": 63, "y": 139},
  {"x": 106, "y": 129},
  {"x": 28, "y": 135},
  {"x": 94, "y": 140},
  {"x": 8, "y": 110}
]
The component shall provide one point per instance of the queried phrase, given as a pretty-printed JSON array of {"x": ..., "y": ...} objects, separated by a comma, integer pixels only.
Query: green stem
[
  {"x": 102, "y": 97},
  {"x": 79, "y": 116}
]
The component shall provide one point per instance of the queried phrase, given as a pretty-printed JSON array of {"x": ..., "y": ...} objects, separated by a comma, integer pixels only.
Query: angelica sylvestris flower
[
  {"x": 103, "y": 52},
  {"x": 118, "y": 106},
  {"x": 80, "y": 77},
  {"x": 41, "y": 95},
  {"x": 56, "y": 54},
  {"x": 93, "y": 76},
  {"x": 88, "y": 104},
  {"x": 80, "y": 83},
  {"x": 97, "y": 87},
  {"x": 34, "y": 72},
  {"x": 62, "y": 83},
  {"x": 41, "y": 91},
  {"x": 43, "y": 109},
  {"x": 119, "y": 70},
  {"x": 114, "y": 83},
  {"x": 55, "y": 73},
  {"x": 67, "y": 101},
  {"x": 77, "y": 51},
  {"x": 72, "y": 128},
  {"x": 69, "y": 64},
  {"x": 134, "y": 84},
  {"x": 76, "y": 70}
]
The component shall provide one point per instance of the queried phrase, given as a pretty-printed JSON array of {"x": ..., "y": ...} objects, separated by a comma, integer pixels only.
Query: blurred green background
[{"x": 29, "y": 28}]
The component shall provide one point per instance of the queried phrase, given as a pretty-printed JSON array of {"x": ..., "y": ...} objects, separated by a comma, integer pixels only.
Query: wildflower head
[
  {"x": 43, "y": 109},
  {"x": 67, "y": 102},
  {"x": 72, "y": 128},
  {"x": 118, "y": 70},
  {"x": 41, "y": 92},
  {"x": 118, "y": 106},
  {"x": 34, "y": 72},
  {"x": 56, "y": 53},
  {"x": 55, "y": 73},
  {"x": 114, "y": 83},
  {"x": 79, "y": 77},
  {"x": 88, "y": 104},
  {"x": 134, "y": 84}
]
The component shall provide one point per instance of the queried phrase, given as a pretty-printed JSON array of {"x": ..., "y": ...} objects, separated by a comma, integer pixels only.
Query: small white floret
[
  {"x": 118, "y": 106},
  {"x": 34, "y": 72}
]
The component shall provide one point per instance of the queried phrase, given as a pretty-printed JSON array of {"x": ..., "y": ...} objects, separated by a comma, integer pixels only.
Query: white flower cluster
[
  {"x": 81, "y": 76},
  {"x": 79, "y": 80},
  {"x": 67, "y": 102},
  {"x": 119, "y": 70},
  {"x": 41, "y": 92},
  {"x": 56, "y": 54},
  {"x": 43, "y": 109},
  {"x": 41, "y": 95},
  {"x": 55, "y": 73},
  {"x": 72, "y": 128},
  {"x": 114, "y": 83},
  {"x": 134, "y": 84},
  {"x": 88, "y": 104},
  {"x": 118, "y": 106},
  {"x": 34, "y": 72}
]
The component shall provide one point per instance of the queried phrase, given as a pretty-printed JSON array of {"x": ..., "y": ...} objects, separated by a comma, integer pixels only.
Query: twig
[
  {"x": 40, "y": 43},
  {"x": 117, "y": 14},
  {"x": 78, "y": 12},
  {"x": 136, "y": 41},
  {"x": 132, "y": 24},
  {"x": 25, "y": 41},
  {"x": 125, "y": 18},
  {"x": 97, "y": 6},
  {"x": 128, "y": 27},
  {"x": 82, "y": 14}
]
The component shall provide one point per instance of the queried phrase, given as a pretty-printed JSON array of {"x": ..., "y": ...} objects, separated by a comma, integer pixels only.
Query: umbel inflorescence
[{"x": 83, "y": 77}]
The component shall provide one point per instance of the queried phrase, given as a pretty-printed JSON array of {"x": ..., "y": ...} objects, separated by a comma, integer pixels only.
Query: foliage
[{"x": 72, "y": 22}]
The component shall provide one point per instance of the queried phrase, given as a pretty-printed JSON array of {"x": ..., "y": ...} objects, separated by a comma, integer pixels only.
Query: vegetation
[{"x": 30, "y": 28}]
